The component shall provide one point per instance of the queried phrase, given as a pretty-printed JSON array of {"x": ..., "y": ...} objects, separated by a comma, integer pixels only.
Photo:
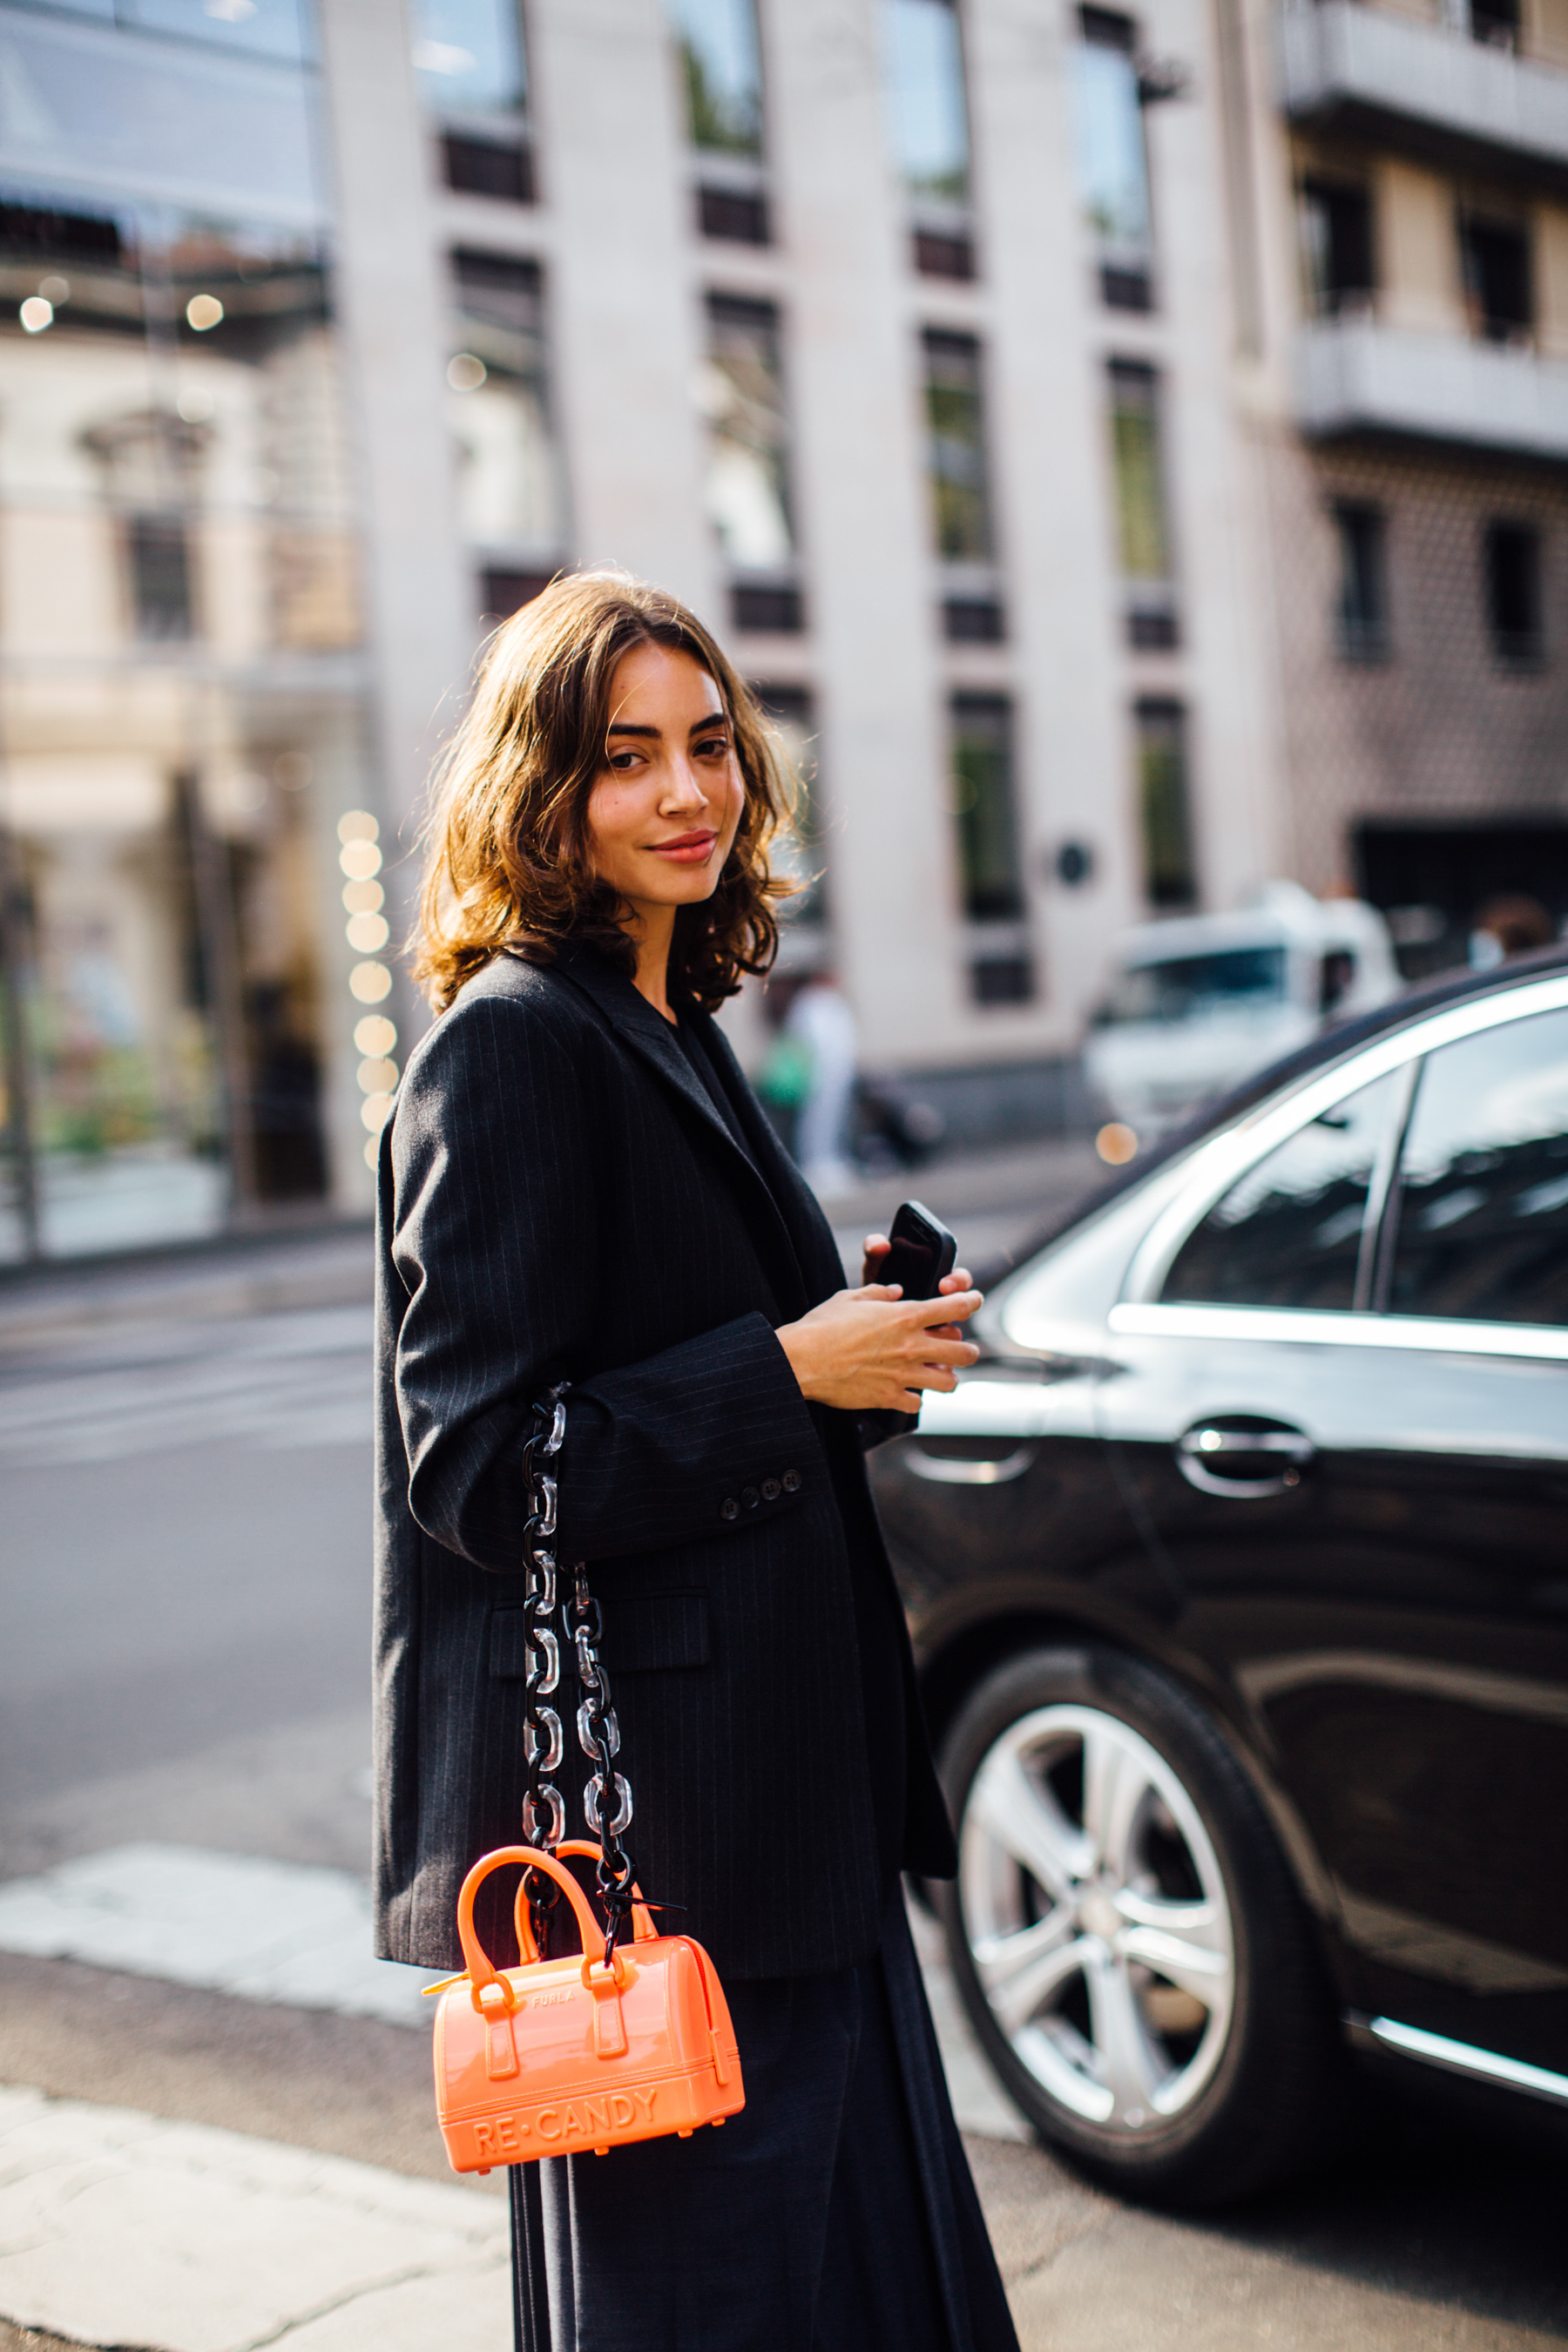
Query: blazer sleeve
[{"x": 498, "y": 1242}]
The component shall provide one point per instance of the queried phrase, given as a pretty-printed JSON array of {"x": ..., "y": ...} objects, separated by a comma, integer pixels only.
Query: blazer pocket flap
[{"x": 644, "y": 1633}]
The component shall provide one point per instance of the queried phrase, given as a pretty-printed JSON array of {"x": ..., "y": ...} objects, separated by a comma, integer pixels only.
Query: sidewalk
[
  {"x": 255, "y": 1274},
  {"x": 994, "y": 1200},
  {"x": 120, "y": 2228}
]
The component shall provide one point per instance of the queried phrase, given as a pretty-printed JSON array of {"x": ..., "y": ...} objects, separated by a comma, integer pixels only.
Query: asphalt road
[{"x": 184, "y": 1492}]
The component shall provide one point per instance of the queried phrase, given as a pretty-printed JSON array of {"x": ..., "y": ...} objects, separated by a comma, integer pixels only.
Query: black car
[{"x": 1238, "y": 1570}]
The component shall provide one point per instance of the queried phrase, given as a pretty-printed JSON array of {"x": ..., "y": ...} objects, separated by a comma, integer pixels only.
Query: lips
[{"x": 686, "y": 848}]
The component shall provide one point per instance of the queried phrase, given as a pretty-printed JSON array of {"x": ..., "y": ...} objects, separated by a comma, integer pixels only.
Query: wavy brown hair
[{"x": 506, "y": 858}]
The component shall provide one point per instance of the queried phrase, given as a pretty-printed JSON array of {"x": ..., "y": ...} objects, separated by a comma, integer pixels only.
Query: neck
[{"x": 652, "y": 933}]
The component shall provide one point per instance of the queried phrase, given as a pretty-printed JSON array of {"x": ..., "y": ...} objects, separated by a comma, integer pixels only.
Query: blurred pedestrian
[
  {"x": 783, "y": 1082},
  {"x": 578, "y": 1186},
  {"x": 821, "y": 1022},
  {"x": 1508, "y": 926}
]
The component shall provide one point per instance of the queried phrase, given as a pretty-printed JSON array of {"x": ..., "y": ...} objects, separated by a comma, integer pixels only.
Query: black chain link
[{"x": 599, "y": 1736}]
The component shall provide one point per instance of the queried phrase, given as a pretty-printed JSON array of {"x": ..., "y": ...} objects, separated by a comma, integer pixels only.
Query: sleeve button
[
  {"x": 791, "y": 1482},
  {"x": 728, "y": 1509},
  {"x": 772, "y": 1490},
  {"x": 749, "y": 1496}
]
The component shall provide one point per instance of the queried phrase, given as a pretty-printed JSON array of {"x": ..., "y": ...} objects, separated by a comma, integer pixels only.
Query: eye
[{"x": 713, "y": 747}]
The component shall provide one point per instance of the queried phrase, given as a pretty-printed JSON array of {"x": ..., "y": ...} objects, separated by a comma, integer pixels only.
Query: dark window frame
[
  {"x": 1498, "y": 269},
  {"x": 1362, "y": 607},
  {"x": 1512, "y": 589},
  {"x": 1166, "y": 834},
  {"x": 980, "y": 727},
  {"x": 966, "y": 351},
  {"x": 1350, "y": 282}
]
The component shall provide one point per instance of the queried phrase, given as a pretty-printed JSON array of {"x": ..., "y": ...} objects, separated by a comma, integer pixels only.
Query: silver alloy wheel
[{"x": 1097, "y": 1918}]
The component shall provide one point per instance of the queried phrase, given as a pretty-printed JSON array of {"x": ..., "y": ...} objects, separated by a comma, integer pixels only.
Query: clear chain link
[
  {"x": 598, "y": 1732},
  {"x": 543, "y": 1811}
]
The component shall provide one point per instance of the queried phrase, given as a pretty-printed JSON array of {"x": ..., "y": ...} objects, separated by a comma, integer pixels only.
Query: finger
[
  {"x": 878, "y": 1290},
  {"x": 959, "y": 1279},
  {"x": 956, "y": 1307},
  {"x": 878, "y": 1245},
  {"x": 949, "y": 1351}
]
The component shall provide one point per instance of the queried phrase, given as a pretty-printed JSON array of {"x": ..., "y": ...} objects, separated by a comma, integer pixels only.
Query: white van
[{"x": 1197, "y": 1004}]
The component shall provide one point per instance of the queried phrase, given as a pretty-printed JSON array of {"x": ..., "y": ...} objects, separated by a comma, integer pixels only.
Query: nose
[{"x": 683, "y": 793}]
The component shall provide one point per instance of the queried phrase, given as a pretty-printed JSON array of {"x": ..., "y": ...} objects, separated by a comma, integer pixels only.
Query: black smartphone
[{"x": 922, "y": 1252}]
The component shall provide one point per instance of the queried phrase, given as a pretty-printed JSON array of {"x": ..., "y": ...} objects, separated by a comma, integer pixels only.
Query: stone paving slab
[
  {"x": 272, "y": 1931},
  {"x": 119, "y": 2228}
]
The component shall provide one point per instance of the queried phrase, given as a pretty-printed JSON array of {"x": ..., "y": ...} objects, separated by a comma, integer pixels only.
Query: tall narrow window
[
  {"x": 723, "y": 73},
  {"x": 160, "y": 562},
  {"x": 928, "y": 118},
  {"x": 1142, "y": 533},
  {"x": 1165, "y": 814},
  {"x": 722, "y": 64},
  {"x": 800, "y": 855},
  {"x": 1337, "y": 247},
  {"x": 1514, "y": 592},
  {"x": 468, "y": 55},
  {"x": 1498, "y": 293},
  {"x": 956, "y": 448},
  {"x": 748, "y": 461},
  {"x": 1112, "y": 158},
  {"x": 1363, "y": 614},
  {"x": 984, "y": 807},
  {"x": 510, "y": 492}
]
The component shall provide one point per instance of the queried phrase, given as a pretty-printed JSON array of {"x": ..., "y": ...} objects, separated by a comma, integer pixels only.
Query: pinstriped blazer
[{"x": 560, "y": 1200}]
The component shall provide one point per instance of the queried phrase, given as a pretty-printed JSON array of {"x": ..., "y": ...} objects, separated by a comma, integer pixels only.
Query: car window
[
  {"x": 1196, "y": 988},
  {"x": 1288, "y": 1233},
  {"x": 1483, "y": 1198}
]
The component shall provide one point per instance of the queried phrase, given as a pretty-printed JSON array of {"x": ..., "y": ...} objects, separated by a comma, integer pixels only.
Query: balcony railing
[
  {"x": 1431, "y": 86},
  {"x": 1354, "y": 376}
]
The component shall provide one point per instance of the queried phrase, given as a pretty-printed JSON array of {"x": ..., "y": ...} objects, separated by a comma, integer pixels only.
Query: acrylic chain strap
[{"x": 607, "y": 1798}]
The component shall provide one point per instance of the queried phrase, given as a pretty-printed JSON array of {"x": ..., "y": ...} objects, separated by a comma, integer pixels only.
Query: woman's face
[{"x": 663, "y": 810}]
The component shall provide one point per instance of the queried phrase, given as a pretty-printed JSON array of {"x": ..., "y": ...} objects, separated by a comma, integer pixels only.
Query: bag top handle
[
  {"x": 643, "y": 1929},
  {"x": 491, "y": 1990}
]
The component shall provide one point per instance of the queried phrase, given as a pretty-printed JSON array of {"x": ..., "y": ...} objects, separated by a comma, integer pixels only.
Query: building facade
[
  {"x": 1072, "y": 418},
  {"x": 1408, "y": 189}
]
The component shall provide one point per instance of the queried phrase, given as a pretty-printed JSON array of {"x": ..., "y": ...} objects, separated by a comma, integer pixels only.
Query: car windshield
[{"x": 1195, "y": 988}]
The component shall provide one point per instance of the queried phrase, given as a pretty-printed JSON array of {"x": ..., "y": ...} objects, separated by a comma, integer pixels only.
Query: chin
[{"x": 680, "y": 889}]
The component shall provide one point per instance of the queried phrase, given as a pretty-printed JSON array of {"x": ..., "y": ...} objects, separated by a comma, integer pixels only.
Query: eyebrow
[{"x": 702, "y": 726}]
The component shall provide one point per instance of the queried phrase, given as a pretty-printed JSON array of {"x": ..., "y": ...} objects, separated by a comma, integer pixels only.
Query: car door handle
[
  {"x": 943, "y": 1471},
  {"x": 1209, "y": 1456}
]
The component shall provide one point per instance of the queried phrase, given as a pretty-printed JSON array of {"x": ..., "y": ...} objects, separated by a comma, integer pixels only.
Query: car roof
[{"x": 1340, "y": 1039}]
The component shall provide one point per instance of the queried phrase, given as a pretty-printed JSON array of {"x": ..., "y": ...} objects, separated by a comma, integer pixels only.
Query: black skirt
[{"x": 836, "y": 2214}]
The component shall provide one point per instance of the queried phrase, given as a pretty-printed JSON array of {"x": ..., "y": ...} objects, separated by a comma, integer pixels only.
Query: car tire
[{"x": 1126, "y": 1934}]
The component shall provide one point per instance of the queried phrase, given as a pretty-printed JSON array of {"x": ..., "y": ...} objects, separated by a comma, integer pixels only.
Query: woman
[{"x": 578, "y": 1185}]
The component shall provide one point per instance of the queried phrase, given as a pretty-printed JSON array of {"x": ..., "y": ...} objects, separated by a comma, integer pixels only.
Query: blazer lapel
[{"x": 653, "y": 1040}]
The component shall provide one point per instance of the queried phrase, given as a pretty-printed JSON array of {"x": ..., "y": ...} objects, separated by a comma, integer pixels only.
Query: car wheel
[{"x": 1126, "y": 1936}]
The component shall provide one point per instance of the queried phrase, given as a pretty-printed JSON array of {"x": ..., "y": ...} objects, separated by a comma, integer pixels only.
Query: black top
[{"x": 876, "y": 1634}]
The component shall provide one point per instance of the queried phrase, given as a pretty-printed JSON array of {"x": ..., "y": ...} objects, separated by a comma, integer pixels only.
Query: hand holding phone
[{"x": 921, "y": 1253}]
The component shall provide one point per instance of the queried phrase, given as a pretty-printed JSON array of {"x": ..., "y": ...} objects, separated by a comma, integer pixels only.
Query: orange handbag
[{"x": 561, "y": 2056}]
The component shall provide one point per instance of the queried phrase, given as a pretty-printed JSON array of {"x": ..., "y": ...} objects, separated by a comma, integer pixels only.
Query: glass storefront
[{"x": 181, "y": 719}]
